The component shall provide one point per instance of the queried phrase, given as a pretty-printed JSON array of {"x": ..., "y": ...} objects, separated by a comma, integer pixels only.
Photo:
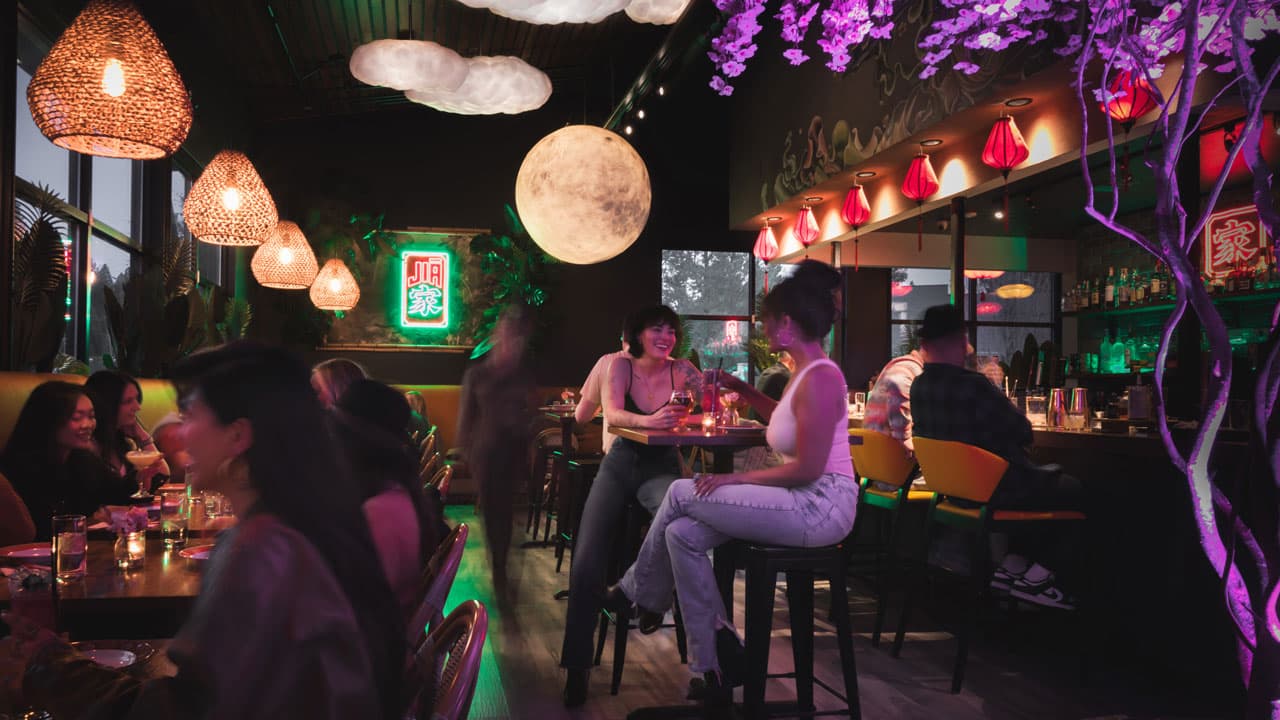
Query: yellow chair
[
  {"x": 965, "y": 472},
  {"x": 881, "y": 458}
]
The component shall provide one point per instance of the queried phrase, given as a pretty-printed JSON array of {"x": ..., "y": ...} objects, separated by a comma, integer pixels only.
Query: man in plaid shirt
[{"x": 949, "y": 402}]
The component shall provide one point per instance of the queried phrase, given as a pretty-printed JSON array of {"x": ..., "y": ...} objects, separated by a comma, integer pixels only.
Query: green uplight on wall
[{"x": 425, "y": 296}]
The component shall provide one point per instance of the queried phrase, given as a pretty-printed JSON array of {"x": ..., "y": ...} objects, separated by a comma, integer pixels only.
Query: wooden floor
[{"x": 1023, "y": 666}]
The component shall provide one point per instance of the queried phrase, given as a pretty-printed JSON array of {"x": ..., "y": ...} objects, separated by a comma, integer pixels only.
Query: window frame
[{"x": 749, "y": 318}]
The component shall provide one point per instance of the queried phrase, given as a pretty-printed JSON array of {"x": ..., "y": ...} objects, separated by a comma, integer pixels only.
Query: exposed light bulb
[
  {"x": 640, "y": 114},
  {"x": 999, "y": 214},
  {"x": 662, "y": 90},
  {"x": 335, "y": 285},
  {"x": 231, "y": 199},
  {"x": 285, "y": 256},
  {"x": 113, "y": 78},
  {"x": 627, "y": 129}
]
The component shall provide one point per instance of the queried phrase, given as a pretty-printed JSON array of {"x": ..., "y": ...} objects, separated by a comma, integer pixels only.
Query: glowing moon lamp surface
[{"x": 583, "y": 194}]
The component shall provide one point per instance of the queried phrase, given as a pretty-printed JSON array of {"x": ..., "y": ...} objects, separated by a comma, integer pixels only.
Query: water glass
[
  {"x": 1036, "y": 405},
  {"x": 859, "y": 403},
  {"x": 213, "y": 502},
  {"x": 174, "y": 510},
  {"x": 70, "y": 541}
]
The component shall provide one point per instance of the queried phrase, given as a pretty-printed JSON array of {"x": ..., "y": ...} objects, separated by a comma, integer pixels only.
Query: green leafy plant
[
  {"x": 514, "y": 270},
  {"x": 39, "y": 281}
]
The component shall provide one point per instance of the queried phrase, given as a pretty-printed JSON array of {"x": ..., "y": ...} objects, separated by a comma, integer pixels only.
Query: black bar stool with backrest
[
  {"x": 955, "y": 470},
  {"x": 577, "y": 480},
  {"x": 881, "y": 458},
  {"x": 634, "y": 524},
  {"x": 801, "y": 565}
]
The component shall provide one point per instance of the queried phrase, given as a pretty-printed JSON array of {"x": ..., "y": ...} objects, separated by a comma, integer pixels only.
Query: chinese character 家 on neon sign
[
  {"x": 424, "y": 289},
  {"x": 1233, "y": 238}
]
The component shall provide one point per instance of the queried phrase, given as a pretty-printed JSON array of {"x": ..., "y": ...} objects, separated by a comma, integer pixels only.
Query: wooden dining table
[
  {"x": 149, "y": 602},
  {"x": 722, "y": 444}
]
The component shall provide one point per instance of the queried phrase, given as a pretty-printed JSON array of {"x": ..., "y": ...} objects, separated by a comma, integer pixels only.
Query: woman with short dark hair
[
  {"x": 807, "y": 501},
  {"x": 293, "y": 619},
  {"x": 638, "y": 395}
]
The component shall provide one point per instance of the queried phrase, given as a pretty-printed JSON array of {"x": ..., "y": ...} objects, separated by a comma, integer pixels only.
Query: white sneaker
[{"x": 1049, "y": 596}]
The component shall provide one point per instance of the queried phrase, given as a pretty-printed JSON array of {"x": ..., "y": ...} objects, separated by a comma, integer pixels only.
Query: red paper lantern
[
  {"x": 765, "y": 250},
  {"x": 856, "y": 211},
  {"x": 1130, "y": 97},
  {"x": 806, "y": 229},
  {"x": 920, "y": 183},
  {"x": 1005, "y": 148}
]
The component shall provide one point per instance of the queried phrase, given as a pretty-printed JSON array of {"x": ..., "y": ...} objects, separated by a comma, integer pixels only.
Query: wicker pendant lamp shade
[
  {"x": 284, "y": 261},
  {"x": 335, "y": 288},
  {"x": 228, "y": 204},
  {"x": 108, "y": 88}
]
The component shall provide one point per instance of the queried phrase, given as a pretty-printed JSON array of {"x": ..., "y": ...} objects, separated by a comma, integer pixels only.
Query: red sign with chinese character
[
  {"x": 1233, "y": 238},
  {"x": 424, "y": 289}
]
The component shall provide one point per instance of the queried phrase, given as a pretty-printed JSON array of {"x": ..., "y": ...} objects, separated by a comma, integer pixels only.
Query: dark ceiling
[{"x": 287, "y": 59}]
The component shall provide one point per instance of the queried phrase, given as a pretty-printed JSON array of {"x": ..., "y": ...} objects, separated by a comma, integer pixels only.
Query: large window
[
  {"x": 1001, "y": 311},
  {"x": 37, "y": 160},
  {"x": 110, "y": 267},
  {"x": 207, "y": 257},
  {"x": 113, "y": 194},
  {"x": 712, "y": 292}
]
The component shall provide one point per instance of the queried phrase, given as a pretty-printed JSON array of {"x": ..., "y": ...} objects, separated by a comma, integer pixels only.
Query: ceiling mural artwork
[{"x": 836, "y": 122}]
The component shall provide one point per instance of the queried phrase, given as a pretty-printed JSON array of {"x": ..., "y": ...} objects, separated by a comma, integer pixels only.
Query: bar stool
[
  {"x": 626, "y": 546},
  {"x": 762, "y": 564},
  {"x": 956, "y": 470},
  {"x": 881, "y": 458},
  {"x": 575, "y": 485}
]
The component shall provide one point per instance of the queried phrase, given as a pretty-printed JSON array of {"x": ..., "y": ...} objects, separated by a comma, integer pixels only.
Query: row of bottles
[{"x": 1133, "y": 288}]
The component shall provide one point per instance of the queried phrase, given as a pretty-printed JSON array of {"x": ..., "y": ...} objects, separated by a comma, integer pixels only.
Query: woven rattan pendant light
[
  {"x": 108, "y": 88},
  {"x": 284, "y": 261},
  {"x": 228, "y": 204},
  {"x": 335, "y": 288}
]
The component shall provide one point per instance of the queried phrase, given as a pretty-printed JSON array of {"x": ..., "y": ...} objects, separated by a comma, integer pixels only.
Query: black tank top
[{"x": 630, "y": 405}]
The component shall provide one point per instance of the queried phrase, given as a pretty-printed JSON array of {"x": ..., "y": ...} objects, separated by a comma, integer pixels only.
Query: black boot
[
  {"x": 615, "y": 600},
  {"x": 575, "y": 688}
]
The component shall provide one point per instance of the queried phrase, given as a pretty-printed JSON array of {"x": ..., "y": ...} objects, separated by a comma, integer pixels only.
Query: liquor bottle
[
  {"x": 1139, "y": 292},
  {"x": 1123, "y": 289},
  {"x": 1109, "y": 290},
  {"x": 1156, "y": 293},
  {"x": 1082, "y": 294},
  {"x": 1094, "y": 300}
]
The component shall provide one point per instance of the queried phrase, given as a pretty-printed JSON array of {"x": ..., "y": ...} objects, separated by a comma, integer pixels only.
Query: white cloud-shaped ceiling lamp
[
  {"x": 583, "y": 194},
  {"x": 433, "y": 75},
  {"x": 554, "y": 12}
]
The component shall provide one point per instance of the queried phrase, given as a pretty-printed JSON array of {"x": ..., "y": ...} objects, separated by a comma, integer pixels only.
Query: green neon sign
[{"x": 424, "y": 289}]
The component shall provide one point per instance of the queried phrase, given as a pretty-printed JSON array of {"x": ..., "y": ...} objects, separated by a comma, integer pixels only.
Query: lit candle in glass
[{"x": 708, "y": 422}]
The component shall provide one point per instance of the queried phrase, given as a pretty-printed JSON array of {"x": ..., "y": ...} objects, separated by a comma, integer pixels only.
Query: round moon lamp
[{"x": 583, "y": 194}]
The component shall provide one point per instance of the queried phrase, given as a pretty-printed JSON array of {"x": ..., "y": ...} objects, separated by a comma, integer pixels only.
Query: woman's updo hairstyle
[{"x": 810, "y": 297}]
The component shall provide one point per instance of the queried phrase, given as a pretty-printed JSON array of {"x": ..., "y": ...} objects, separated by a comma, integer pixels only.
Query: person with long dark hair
[
  {"x": 809, "y": 500},
  {"x": 51, "y": 458},
  {"x": 640, "y": 385},
  {"x": 407, "y": 524},
  {"x": 293, "y": 619},
  {"x": 117, "y": 397}
]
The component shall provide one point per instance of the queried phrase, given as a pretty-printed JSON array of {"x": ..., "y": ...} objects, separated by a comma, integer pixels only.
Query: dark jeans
[
  {"x": 629, "y": 470},
  {"x": 497, "y": 475},
  {"x": 1045, "y": 488}
]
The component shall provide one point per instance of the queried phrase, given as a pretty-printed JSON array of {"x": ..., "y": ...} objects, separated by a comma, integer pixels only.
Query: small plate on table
[
  {"x": 118, "y": 654},
  {"x": 197, "y": 553},
  {"x": 743, "y": 429},
  {"x": 40, "y": 553}
]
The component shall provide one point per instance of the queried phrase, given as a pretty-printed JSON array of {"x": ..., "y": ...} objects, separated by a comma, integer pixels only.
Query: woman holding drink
[{"x": 646, "y": 389}]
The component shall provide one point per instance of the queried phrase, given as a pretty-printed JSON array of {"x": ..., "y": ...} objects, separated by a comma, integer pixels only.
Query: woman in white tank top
[{"x": 807, "y": 501}]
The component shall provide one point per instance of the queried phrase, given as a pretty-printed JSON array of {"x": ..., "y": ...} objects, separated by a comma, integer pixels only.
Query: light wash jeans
[
  {"x": 629, "y": 470},
  {"x": 674, "y": 554}
]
